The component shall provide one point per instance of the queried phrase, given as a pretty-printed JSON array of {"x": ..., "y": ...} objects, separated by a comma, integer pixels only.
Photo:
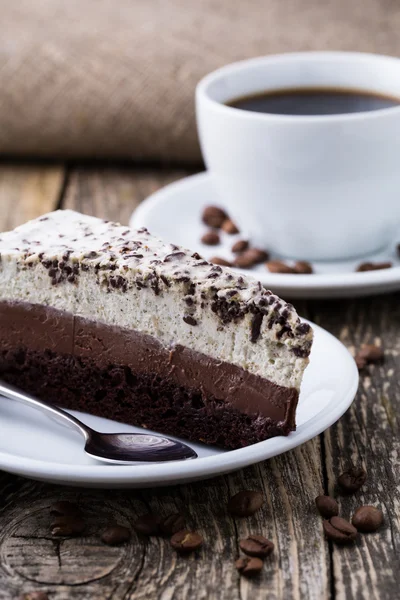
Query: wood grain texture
[
  {"x": 84, "y": 568},
  {"x": 304, "y": 566},
  {"x": 368, "y": 435},
  {"x": 27, "y": 191},
  {"x": 113, "y": 193}
]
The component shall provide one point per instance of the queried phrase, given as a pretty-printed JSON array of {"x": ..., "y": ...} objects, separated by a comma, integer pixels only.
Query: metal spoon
[{"x": 118, "y": 448}]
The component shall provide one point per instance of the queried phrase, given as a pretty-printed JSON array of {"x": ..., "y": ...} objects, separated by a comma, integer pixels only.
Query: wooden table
[{"x": 304, "y": 564}]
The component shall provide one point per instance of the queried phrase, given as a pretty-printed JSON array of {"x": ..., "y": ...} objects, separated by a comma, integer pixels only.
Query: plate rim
[
  {"x": 179, "y": 472},
  {"x": 283, "y": 281}
]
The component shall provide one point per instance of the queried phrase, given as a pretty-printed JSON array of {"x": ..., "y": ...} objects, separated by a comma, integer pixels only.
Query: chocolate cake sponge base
[{"x": 145, "y": 400}]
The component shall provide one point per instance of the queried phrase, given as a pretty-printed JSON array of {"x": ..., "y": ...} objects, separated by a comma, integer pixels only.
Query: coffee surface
[{"x": 314, "y": 101}]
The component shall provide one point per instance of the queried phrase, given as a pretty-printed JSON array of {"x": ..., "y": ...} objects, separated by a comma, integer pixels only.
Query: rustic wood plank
[
  {"x": 150, "y": 569},
  {"x": 27, "y": 191},
  {"x": 368, "y": 434},
  {"x": 145, "y": 569}
]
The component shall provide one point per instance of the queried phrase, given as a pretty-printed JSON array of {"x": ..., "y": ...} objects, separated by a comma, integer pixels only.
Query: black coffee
[{"x": 314, "y": 101}]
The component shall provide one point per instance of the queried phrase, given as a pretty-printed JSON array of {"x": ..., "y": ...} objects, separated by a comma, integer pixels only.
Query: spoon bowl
[
  {"x": 117, "y": 448},
  {"x": 133, "y": 447}
]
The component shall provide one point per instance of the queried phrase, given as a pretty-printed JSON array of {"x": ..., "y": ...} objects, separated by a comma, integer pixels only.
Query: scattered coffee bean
[
  {"x": 214, "y": 216},
  {"x": 369, "y": 266},
  {"x": 148, "y": 524},
  {"x": 303, "y": 267},
  {"x": 217, "y": 260},
  {"x": 277, "y": 266},
  {"x": 249, "y": 566},
  {"x": 351, "y": 480},
  {"x": 68, "y": 525},
  {"x": 370, "y": 353},
  {"x": 115, "y": 535},
  {"x": 327, "y": 506},
  {"x": 186, "y": 541},
  {"x": 229, "y": 227},
  {"x": 211, "y": 238},
  {"x": 339, "y": 530},
  {"x": 256, "y": 545},
  {"x": 245, "y": 503},
  {"x": 367, "y": 519},
  {"x": 34, "y": 596},
  {"x": 250, "y": 257},
  {"x": 360, "y": 362},
  {"x": 63, "y": 508},
  {"x": 172, "y": 524},
  {"x": 240, "y": 246}
]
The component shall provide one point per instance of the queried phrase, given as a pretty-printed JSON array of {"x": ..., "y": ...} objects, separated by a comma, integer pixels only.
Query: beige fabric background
[{"x": 116, "y": 78}]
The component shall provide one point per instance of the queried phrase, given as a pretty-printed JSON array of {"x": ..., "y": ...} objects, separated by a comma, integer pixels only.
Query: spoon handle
[{"x": 61, "y": 415}]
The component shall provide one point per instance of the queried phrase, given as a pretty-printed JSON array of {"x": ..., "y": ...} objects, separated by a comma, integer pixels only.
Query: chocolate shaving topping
[
  {"x": 174, "y": 255},
  {"x": 165, "y": 280},
  {"x": 256, "y": 327},
  {"x": 190, "y": 320}
]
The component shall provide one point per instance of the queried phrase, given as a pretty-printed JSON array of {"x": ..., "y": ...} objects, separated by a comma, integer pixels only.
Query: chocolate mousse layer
[{"x": 129, "y": 376}]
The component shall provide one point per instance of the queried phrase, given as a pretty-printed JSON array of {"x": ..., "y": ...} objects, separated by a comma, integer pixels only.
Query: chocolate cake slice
[{"x": 114, "y": 322}]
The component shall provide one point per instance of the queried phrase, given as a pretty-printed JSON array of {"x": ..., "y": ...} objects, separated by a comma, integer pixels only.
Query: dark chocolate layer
[{"x": 129, "y": 376}]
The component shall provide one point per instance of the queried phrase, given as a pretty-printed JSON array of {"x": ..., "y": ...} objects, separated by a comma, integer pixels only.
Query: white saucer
[
  {"x": 173, "y": 213},
  {"x": 33, "y": 446}
]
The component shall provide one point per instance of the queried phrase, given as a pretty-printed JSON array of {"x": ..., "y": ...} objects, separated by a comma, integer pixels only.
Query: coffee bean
[
  {"x": 351, "y": 480},
  {"x": 245, "y": 503},
  {"x": 63, "y": 508},
  {"x": 172, "y": 524},
  {"x": 327, "y": 506},
  {"x": 186, "y": 541},
  {"x": 369, "y": 266},
  {"x": 217, "y": 260},
  {"x": 34, "y": 596},
  {"x": 367, "y": 519},
  {"x": 339, "y": 530},
  {"x": 277, "y": 266},
  {"x": 250, "y": 257},
  {"x": 211, "y": 238},
  {"x": 67, "y": 525},
  {"x": 244, "y": 260},
  {"x": 148, "y": 524},
  {"x": 360, "y": 362},
  {"x": 256, "y": 545},
  {"x": 214, "y": 216},
  {"x": 249, "y": 566},
  {"x": 229, "y": 227},
  {"x": 240, "y": 246},
  {"x": 303, "y": 267},
  {"x": 370, "y": 353},
  {"x": 115, "y": 535}
]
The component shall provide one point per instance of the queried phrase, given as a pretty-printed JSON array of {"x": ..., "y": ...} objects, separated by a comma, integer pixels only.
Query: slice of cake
[{"x": 114, "y": 322}]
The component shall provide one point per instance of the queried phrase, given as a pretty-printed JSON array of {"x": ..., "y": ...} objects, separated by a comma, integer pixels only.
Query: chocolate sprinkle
[
  {"x": 256, "y": 327},
  {"x": 190, "y": 320}
]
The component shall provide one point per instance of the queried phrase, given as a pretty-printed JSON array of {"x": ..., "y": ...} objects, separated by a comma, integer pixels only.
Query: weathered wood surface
[
  {"x": 304, "y": 566},
  {"x": 368, "y": 435},
  {"x": 27, "y": 191}
]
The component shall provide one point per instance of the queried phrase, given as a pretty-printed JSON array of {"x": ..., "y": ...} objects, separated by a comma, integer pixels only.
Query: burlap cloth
[{"x": 116, "y": 78}]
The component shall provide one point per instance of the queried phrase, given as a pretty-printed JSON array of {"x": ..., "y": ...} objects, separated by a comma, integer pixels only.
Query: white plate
[
  {"x": 33, "y": 446},
  {"x": 173, "y": 213}
]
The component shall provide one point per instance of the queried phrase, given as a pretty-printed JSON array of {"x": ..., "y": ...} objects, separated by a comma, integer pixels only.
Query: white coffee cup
[{"x": 306, "y": 187}]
